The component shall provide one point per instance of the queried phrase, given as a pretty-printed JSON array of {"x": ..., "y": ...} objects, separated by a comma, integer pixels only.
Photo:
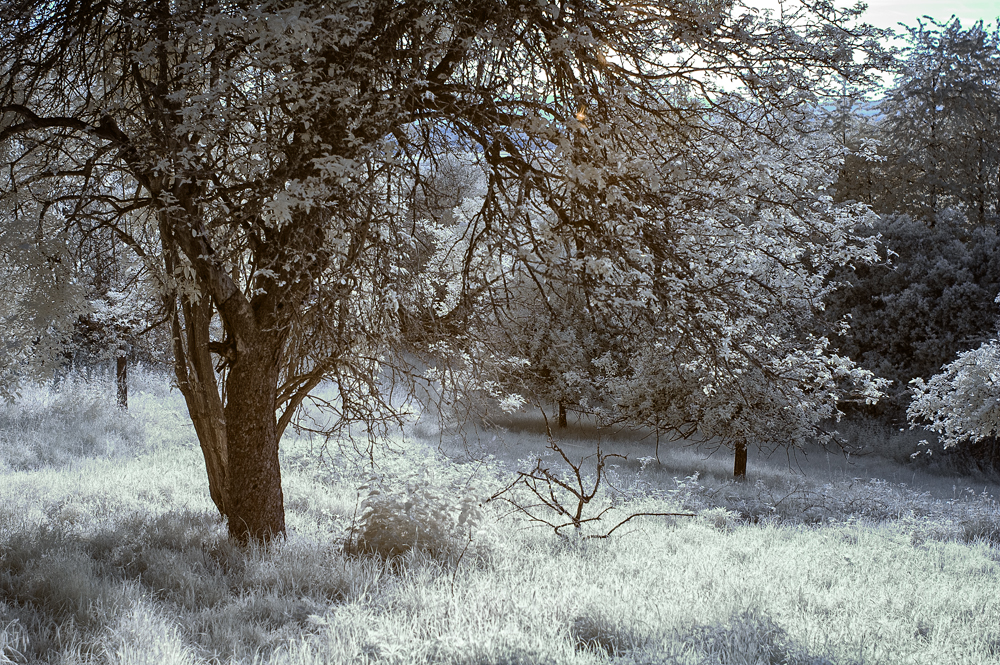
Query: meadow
[{"x": 112, "y": 552}]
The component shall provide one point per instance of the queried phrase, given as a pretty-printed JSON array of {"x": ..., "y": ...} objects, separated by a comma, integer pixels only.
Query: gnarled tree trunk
[
  {"x": 237, "y": 426},
  {"x": 256, "y": 509},
  {"x": 239, "y": 439}
]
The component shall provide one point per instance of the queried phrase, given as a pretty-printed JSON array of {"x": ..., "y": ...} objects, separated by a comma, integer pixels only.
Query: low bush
[{"x": 419, "y": 501}]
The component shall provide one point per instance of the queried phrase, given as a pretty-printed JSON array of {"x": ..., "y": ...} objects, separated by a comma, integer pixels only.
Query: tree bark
[
  {"x": 239, "y": 440},
  {"x": 740, "y": 467},
  {"x": 562, "y": 416},
  {"x": 256, "y": 510},
  {"x": 237, "y": 426},
  {"x": 121, "y": 376}
]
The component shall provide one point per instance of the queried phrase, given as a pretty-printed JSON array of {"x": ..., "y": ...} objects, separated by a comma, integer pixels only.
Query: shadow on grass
[
  {"x": 749, "y": 636},
  {"x": 66, "y": 589}
]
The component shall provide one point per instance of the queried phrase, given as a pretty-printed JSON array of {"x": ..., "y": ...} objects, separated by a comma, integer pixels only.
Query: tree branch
[{"x": 107, "y": 130}]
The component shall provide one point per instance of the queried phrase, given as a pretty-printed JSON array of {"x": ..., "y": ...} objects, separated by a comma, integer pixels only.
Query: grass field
[{"x": 111, "y": 551}]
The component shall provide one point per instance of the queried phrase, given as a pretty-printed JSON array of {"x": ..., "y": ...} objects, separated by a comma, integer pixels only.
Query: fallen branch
[{"x": 544, "y": 484}]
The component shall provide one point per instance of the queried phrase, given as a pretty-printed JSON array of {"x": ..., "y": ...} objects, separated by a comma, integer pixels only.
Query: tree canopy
[
  {"x": 937, "y": 128},
  {"x": 275, "y": 168}
]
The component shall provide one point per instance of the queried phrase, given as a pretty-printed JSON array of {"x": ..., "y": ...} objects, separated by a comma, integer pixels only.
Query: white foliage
[
  {"x": 269, "y": 158},
  {"x": 962, "y": 402},
  {"x": 698, "y": 318}
]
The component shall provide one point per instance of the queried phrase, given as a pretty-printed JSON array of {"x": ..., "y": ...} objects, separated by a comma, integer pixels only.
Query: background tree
[
  {"x": 262, "y": 156},
  {"x": 707, "y": 327},
  {"x": 41, "y": 297},
  {"x": 124, "y": 322},
  {"x": 731, "y": 354},
  {"x": 938, "y": 126},
  {"x": 76, "y": 293},
  {"x": 934, "y": 179},
  {"x": 962, "y": 402}
]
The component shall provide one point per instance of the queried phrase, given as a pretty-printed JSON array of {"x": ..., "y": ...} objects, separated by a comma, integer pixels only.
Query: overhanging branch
[{"x": 107, "y": 130}]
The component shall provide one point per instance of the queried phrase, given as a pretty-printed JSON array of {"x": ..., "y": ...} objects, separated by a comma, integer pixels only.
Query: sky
[{"x": 888, "y": 13}]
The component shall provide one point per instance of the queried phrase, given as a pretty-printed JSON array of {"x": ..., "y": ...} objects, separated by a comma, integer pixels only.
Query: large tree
[{"x": 263, "y": 159}]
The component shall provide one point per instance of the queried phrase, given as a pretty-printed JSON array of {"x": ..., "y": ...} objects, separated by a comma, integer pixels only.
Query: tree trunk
[
  {"x": 740, "y": 467},
  {"x": 239, "y": 440},
  {"x": 562, "y": 415},
  {"x": 197, "y": 382},
  {"x": 121, "y": 375},
  {"x": 256, "y": 508},
  {"x": 237, "y": 426}
]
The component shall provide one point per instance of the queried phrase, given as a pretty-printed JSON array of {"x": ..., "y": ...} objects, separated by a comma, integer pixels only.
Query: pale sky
[{"x": 889, "y": 13}]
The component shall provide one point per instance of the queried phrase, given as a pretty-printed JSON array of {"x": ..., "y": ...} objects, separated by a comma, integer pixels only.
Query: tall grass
[
  {"x": 108, "y": 557},
  {"x": 50, "y": 426}
]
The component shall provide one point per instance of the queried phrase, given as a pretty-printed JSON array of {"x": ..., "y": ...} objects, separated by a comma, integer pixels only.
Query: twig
[
  {"x": 642, "y": 515},
  {"x": 458, "y": 563}
]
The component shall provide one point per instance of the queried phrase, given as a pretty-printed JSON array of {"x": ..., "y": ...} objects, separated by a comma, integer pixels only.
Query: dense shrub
[{"x": 931, "y": 299}]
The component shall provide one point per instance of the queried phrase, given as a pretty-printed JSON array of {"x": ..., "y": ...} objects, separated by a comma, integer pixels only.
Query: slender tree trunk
[
  {"x": 121, "y": 375},
  {"x": 740, "y": 467},
  {"x": 982, "y": 185},
  {"x": 190, "y": 325},
  {"x": 562, "y": 415},
  {"x": 197, "y": 382},
  {"x": 256, "y": 510}
]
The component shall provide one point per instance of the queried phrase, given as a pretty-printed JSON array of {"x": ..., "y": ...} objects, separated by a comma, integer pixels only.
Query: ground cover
[{"x": 111, "y": 552}]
